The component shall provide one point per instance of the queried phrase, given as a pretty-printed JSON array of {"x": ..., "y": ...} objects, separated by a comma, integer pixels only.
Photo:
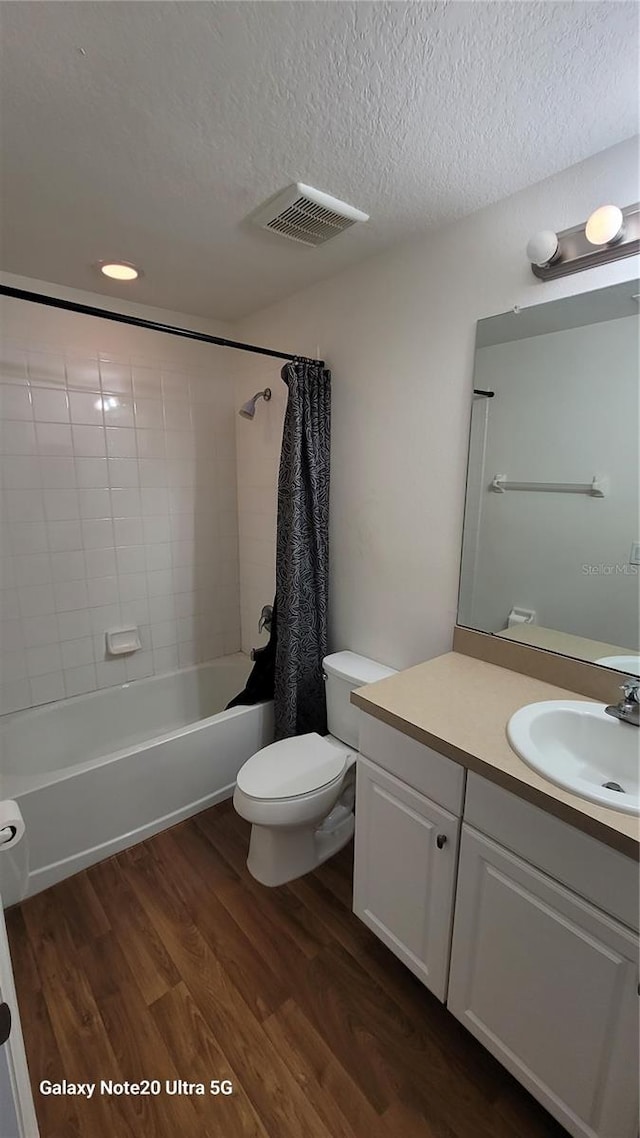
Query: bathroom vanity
[{"x": 515, "y": 902}]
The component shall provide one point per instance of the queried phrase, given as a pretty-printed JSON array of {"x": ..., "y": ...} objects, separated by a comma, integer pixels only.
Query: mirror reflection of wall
[{"x": 557, "y": 568}]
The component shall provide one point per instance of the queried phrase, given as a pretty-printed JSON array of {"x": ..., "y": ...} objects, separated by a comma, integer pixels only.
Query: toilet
[{"x": 299, "y": 793}]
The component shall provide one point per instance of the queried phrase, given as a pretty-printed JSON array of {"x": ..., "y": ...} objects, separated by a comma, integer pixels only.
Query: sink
[
  {"x": 576, "y": 745},
  {"x": 622, "y": 663}
]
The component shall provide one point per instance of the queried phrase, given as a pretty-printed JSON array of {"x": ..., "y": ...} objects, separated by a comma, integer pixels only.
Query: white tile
[
  {"x": 160, "y": 583},
  {"x": 111, "y": 672},
  {"x": 94, "y": 503},
  {"x": 14, "y": 666},
  {"x": 155, "y": 500},
  {"x": 102, "y": 591},
  {"x": 83, "y": 372},
  {"x": 165, "y": 659},
  {"x": 180, "y": 444},
  {"x": 47, "y": 689},
  {"x": 11, "y": 635},
  {"x": 24, "y": 505},
  {"x": 8, "y": 572},
  {"x": 161, "y": 608},
  {"x": 13, "y": 363},
  {"x": 121, "y": 442},
  {"x": 187, "y": 628},
  {"x": 17, "y": 437},
  {"x": 184, "y": 604},
  {"x": 187, "y": 654},
  {"x": 74, "y": 625},
  {"x": 183, "y": 578},
  {"x": 39, "y": 630},
  {"x": 182, "y": 552},
  {"x": 61, "y": 505},
  {"x": 164, "y": 634},
  {"x": 126, "y": 503},
  {"x": 54, "y": 439},
  {"x": 148, "y": 413},
  {"x": 15, "y": 402},
  {"x": 115, "y": 377},
  {"x": 68, "y": 566},
  {"x": 14, "y": 696},
  {"x": 92, "y": 473},
  {"x": 50, "y": 405},
  {"x": 70, "y": 595},
  {"x": 20, "y": 472},
  {"x": 147, "y": 383},
  {"x": 46, "y": 368},
  {"x": 131, "y": 559},
  {"x": 181, "y": 472},
  {"x": 45, "y": 658},
  {"x": 85, "y": 407},
  {"x": 135, "y": 611},
  {"x": 58, "y": 473},
  {"x": 177, "y": 414},
  {"x": 156, "y": 529},
  {"x": 100, "y": 562},
  {"x": 175, "y": 385},
  {"x": 36, "y": 600},
  {"x": 128, "y": 531},
  {"x": 123, "y": 473},
  {"x": 79, "y": 680},
  {"x": 158, "y": 556},
  {"x": 28, "y": 537},
  {"x": 89, "y": 442},
  {"x": 97, "y": 533},
  {"x": 34, "y": 569},
  {"x": 103, "y": 618},
  {"x": 76, "y": 653},
  {"x": 139, "y": 666},
  {"x": 153, "y": 472},
  {"x": 118, "y": 411},
  {"x": 64, "y": 536},
  {"x": 151, "y": 443},
  {"x": 132, "y": 586}
]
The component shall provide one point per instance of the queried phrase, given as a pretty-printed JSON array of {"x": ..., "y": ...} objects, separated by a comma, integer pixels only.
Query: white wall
[
  {"x": 117, "y": 452},
  {"x": 398, "y": 333},
  {"x": 566, "y": 409}
]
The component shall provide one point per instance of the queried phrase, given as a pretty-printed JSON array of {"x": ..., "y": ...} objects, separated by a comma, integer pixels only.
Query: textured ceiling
[{"x": 148, "y": 131}]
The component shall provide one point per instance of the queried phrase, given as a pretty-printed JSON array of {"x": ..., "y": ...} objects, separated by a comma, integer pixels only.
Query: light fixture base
[{"x": 576, "y": 253}]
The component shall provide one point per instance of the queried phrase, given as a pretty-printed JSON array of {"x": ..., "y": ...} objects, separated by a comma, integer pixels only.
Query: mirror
[{"x": 551, "y": 545}]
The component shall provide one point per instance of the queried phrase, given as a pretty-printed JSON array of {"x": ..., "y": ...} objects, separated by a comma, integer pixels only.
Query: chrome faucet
[{"x": 628, "y": 710}]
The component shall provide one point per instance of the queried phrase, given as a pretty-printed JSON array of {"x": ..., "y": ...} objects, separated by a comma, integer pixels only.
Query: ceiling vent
[{"x": 307, "y": 216}]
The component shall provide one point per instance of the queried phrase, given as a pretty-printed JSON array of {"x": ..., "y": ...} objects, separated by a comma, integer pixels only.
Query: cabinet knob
[{"x": 441, "y": 841}]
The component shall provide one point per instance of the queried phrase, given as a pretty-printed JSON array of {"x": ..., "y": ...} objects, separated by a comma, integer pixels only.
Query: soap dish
[{"x": 121, "y": 641}]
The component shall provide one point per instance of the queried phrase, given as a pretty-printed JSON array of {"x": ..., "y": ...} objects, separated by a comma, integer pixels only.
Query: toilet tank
[{"x": 345, "y": 671}]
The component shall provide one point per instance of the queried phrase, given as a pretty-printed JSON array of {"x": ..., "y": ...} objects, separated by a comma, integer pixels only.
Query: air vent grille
[{"x": 307, "y": 216}]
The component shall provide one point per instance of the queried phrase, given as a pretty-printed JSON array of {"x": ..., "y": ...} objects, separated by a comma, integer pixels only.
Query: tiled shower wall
[{"x": 117, "y": 453}]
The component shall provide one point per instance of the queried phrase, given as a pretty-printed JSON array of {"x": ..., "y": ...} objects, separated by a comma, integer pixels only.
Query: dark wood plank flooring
[{"x": 170, "y": 962}]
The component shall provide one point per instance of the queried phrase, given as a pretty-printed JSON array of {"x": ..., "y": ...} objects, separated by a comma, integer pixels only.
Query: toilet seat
[{"x": 292, "y": 768}]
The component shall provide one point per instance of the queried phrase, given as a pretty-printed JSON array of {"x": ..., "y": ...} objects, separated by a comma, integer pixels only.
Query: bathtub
[{"x": 100, "y": 772}]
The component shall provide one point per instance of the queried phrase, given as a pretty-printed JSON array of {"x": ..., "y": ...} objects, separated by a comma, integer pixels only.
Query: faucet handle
[{"x": 630, "y": 689}]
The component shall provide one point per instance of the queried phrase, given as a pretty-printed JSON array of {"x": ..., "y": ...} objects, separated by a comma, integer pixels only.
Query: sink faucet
[{"x": 628, "y": 710}]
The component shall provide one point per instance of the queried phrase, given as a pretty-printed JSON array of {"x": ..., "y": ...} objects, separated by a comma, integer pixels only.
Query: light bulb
[
  {"x": 119, "y": 270},
  {"x": 605, "y": 226},
  {"x": 542, "y": 247}
]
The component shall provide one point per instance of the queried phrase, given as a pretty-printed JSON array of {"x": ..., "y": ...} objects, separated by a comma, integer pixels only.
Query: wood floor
[{"x": 170, "y": 962}]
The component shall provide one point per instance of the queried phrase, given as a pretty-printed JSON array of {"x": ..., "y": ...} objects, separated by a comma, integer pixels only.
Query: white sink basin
[
  {"x": 576, "y": 745},
  {"x": 622, "y": 663}
]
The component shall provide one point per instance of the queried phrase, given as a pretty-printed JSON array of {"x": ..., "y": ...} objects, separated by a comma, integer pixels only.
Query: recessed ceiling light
[{"x": 119, "y": 270}]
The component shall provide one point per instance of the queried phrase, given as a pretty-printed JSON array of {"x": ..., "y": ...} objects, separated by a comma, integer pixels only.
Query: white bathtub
[{"x": 100, "y": 772}]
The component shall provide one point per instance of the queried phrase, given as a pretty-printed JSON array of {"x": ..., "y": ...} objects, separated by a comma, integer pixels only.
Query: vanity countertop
[{"x": 460, "y": 706}]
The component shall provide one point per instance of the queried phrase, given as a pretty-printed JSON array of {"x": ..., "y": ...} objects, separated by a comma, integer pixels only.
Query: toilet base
[{"x": 277, "y": 855}]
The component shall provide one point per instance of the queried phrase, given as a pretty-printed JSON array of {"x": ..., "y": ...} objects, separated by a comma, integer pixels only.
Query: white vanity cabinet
[
  {"x": 406, "y": 849},
  {"x": 546, "y": 980}
]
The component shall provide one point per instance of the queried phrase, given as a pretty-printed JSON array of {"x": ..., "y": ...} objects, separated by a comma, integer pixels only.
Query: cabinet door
[
  {"x": 404, "y": 877},
  {"x": 548, "y": 984}
]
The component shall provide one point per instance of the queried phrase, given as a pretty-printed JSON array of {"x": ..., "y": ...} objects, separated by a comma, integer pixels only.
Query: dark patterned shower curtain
[{"x": 302, "y": 552}]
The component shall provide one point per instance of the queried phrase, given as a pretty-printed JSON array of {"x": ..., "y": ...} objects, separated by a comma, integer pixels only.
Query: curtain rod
[{"x": 152, "y": 325}]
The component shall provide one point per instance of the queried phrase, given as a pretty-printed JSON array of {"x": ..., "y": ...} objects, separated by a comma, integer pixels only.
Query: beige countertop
[
  {"x": 460, "y": 706},
  {"x": 568, "y": 645}
]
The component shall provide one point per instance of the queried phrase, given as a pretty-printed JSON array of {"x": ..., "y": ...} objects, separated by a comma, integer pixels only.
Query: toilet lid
[{"x": 291, "y": 767}]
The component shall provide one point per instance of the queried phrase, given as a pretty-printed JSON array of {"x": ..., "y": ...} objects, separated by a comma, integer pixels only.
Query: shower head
[{"x": 248, "y": 409}]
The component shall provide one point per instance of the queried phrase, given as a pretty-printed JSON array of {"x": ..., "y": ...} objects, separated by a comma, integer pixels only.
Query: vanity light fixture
[
  {"x": 609, "y": 234},
  {"x": 119, "y": 270}
]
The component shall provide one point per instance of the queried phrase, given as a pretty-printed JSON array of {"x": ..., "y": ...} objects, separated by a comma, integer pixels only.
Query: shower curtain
[{"x": 302, "y": 552}]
